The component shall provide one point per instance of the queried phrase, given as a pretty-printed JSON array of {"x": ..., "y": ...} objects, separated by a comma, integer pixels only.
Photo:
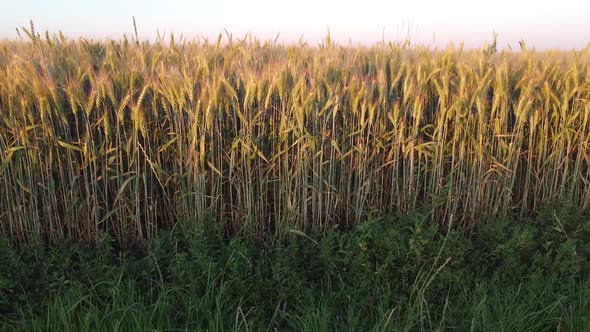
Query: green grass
[{"x": 393, "y": 274}]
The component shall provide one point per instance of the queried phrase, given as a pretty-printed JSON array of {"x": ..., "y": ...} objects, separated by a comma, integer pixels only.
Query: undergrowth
[{"x": 400, "y": 273}]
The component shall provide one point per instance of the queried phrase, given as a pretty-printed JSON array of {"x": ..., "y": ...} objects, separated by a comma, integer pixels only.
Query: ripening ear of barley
[{"x": 127, "y": 138}]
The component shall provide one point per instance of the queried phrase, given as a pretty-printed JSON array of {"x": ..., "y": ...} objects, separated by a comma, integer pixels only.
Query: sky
[{"x": 543, "y": 24}]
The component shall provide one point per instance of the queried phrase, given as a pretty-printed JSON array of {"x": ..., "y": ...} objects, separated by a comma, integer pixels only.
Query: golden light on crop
[{"x": 126, "y": 137}]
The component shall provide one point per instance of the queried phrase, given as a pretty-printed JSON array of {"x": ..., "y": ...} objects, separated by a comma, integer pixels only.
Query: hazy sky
[{"x": 561, "y": 24}]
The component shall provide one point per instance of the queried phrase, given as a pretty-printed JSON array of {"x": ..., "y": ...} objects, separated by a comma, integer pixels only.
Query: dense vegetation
[
  {"x": 246, "y": 185},
  {"x": 395, "y": 274},
  {"x": 126, "y": 137}
]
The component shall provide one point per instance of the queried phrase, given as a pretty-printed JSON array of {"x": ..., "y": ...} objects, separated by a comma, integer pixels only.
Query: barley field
[
  {"x": 127, "y": 137},
  {"x": 247, "y": 185}
]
